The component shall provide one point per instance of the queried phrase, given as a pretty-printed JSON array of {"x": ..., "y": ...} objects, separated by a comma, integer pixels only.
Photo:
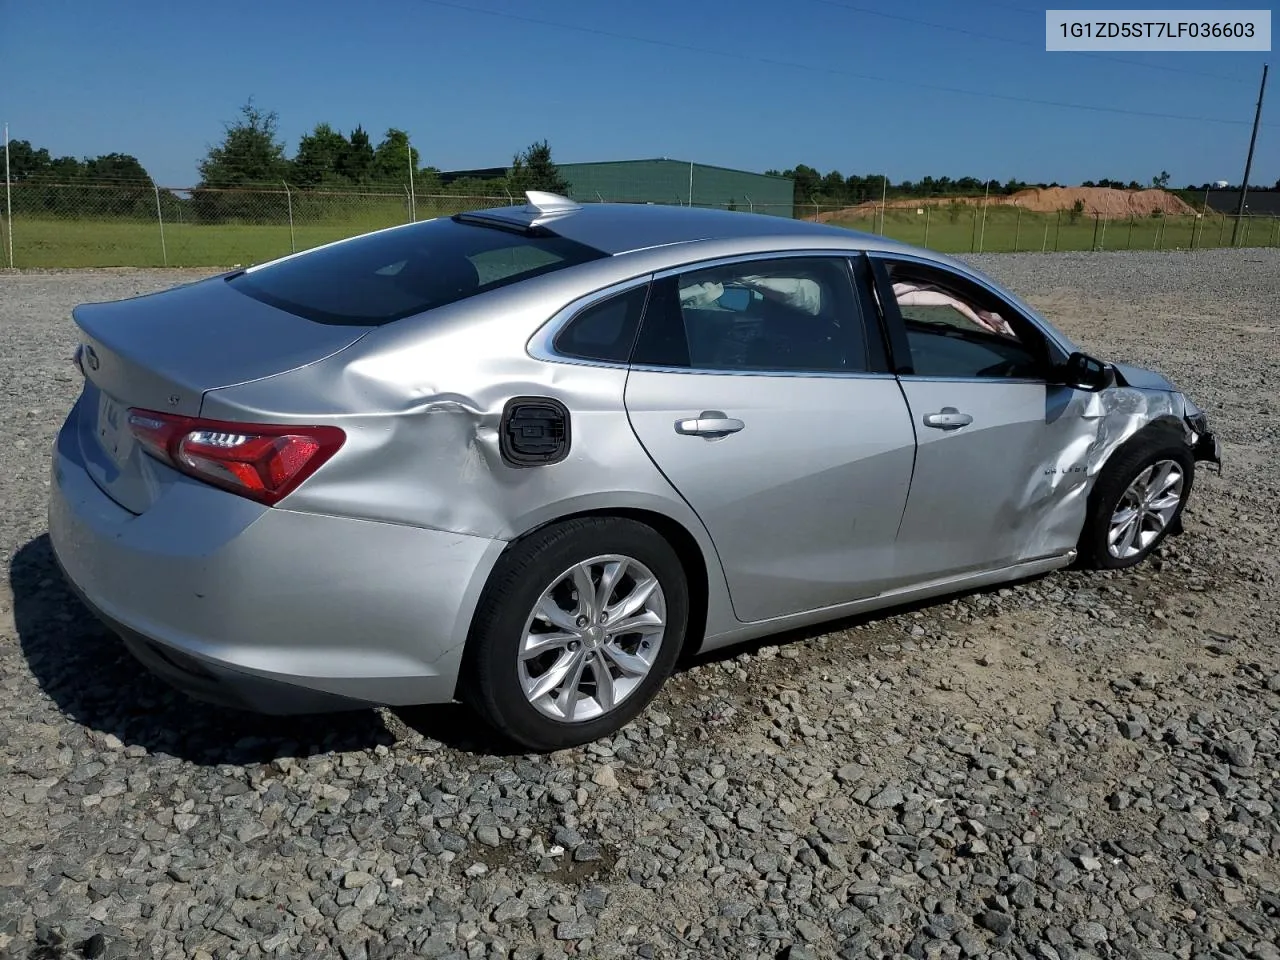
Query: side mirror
[
  {"x": 736, "y": 299},
  {"x": 1087, "y": 373}
]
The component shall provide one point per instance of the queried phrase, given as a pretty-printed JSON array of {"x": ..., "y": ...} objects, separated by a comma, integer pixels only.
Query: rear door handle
[
  {"x": 948, "y": 418},
  {"x": 710, "y": 424}
]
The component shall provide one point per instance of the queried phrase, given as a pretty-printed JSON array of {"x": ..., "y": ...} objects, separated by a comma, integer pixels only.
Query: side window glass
[
  {"x": 605, "y": 330},
  {"x": 955, "y": 330},
  {"x": 789, "y": 314}
]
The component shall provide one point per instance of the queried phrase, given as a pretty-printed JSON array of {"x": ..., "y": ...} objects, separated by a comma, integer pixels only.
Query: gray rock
[
  {"x": 347, "y": 919},
  {"x": 1089, "y": 932},
  {"x": 886, "y": 798},
  {"x": 996, "y": 921},
  {"x": 575, "y": 929}
]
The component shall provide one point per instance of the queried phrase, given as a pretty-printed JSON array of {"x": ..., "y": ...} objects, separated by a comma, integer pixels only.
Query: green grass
[
  {"x": 111, "y": 243},
  {"x": 1006, "y": 231}
]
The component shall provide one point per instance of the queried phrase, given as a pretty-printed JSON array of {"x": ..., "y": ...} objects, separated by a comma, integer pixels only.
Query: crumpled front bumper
[{"x": 1208, "y": 449}]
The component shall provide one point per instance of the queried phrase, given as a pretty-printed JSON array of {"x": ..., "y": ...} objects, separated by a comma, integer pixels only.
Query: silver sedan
[{"x": 529, "y": 457}]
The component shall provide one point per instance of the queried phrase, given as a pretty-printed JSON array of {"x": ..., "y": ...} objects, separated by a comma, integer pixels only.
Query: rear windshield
[{"x": 385, "y": 276}]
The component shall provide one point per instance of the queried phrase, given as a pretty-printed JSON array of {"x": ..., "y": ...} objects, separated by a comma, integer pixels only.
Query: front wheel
[
  {"x": 579, "y": 627},
  {"x": 1138, "y": 499}
]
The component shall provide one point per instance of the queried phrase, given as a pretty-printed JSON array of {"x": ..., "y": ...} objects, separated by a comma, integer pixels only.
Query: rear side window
[
  {"x": 604, "y": 330},
  {"x": 784, "y": 315},
  {"x": 386, "y": 276}
]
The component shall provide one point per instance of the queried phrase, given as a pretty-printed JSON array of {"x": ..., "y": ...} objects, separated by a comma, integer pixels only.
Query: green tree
[
  {"x": 808, "y": 183},
  {"x": 357, "y": 161},
  {"x": 834, "y": 187},
  {"x": 113, "y": 184},
  {"x": 1162, "y": 180},
  {"x": 393, "y": 156},
  {"x": 535, "y": 170},
  {"x": 27, "y": 162},
  {"x": 319, "y": 157},
  {"x": 115, "y": 166},
  {"x": 250, "y": 152}
]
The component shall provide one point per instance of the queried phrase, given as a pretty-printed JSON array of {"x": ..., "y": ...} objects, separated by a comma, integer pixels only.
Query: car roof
[{"x": 616, "y": 228}]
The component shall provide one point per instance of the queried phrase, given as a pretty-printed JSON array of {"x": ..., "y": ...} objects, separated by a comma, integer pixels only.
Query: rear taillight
[{"x": 263, "y": 462}]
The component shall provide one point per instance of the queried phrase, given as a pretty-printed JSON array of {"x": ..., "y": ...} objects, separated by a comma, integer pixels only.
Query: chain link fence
[{"x": 137, "y": 224}]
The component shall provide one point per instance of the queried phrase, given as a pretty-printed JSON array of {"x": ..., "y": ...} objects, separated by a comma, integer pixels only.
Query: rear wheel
[
  {"x": 1137, "y": 501},
  {"x": 580, "y": 625}
]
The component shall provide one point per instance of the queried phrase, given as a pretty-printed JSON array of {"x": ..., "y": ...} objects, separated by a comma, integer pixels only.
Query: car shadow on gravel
[{"x": 91, "y": 677}]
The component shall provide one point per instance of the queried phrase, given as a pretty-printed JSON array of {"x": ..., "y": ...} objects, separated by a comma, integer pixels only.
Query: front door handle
[
  {"x": 710, "y": 424},
  {"x": 948, "y": 418}
]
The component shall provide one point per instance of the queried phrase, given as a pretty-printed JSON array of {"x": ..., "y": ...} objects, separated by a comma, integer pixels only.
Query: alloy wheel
[
  {"x": 1145, "y": 509},
  {"x": 592, "y": 638}
]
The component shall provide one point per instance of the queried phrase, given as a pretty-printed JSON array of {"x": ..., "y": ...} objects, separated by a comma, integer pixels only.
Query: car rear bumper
[{"x": 268, "y": 609}]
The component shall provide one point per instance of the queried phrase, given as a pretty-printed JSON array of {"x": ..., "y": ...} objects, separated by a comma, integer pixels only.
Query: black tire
[
  {"x": 1125, "y": 465},
  {"x": 490, "y": 678}
]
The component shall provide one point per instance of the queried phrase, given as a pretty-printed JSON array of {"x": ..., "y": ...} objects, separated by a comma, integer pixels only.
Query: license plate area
[{"x": 113, "y": 429}]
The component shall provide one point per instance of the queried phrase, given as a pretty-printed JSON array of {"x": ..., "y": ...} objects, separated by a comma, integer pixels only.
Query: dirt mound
[
  {"x": 1101, "y": 200},
  {"x": 1105, "y": 202}
]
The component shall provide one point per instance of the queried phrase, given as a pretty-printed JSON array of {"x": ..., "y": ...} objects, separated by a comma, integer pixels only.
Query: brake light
[{"x": 264, "y": 462}]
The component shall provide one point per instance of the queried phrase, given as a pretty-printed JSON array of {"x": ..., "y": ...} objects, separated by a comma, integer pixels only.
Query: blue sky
[{"x": 157, "y": 79}]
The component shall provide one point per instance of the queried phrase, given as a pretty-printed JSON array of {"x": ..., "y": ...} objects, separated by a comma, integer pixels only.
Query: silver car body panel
[
  {"x": 327, "y": 603},
  {"x": 834, "y": 500}
]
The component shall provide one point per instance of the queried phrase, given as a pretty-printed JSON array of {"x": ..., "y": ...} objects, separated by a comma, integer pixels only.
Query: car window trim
[
  {"x": 1052, "y": 338},
  {"x": 864, "y": 283},
  {"x": 898, "y": 329},
  {"x": 565, "y": 327},
  {"x": 541, "y": 346},
  {"x": 877, "y": 367}
]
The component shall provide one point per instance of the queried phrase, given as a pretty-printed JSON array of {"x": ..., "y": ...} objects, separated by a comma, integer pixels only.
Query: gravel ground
[{"x": 1082, "y": 765}]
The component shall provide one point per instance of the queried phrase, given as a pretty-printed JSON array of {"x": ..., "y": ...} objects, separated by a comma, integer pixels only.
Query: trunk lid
[{"x": 164, "y": 351}]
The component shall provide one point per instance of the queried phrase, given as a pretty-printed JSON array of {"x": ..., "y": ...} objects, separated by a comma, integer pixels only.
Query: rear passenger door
[{"x": 756, "y": 389}]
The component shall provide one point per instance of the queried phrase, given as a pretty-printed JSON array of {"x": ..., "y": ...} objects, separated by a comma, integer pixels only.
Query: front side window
[
  {"x": 784, "y": 315},
  {"x": 956, "y": 329}
]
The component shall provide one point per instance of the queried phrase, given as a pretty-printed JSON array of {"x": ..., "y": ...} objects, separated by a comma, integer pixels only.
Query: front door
[
  {"x": 999, "y": 473},
  {"x": 754, "y": 389}
]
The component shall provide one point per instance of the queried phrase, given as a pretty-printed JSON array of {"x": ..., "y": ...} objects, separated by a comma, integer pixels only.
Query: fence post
[
  {"x": 164, "y": 251},
  {"x": 928, "y": 213},
  {"x": 1057, "y": 230},
  {"x": 1017, "y": 230},
  {"x": 1044, "y": 244},
  {"x": 751, "y": 207},
  {"x": 293, "y": 246},
  {"x": 1221, "y": 227},
  {"x": 1093, "y": 244},
  {"x": 413, "y": 192},
  {"x": 1128, "y": 243},
  {"x": 8, "y": 195}
]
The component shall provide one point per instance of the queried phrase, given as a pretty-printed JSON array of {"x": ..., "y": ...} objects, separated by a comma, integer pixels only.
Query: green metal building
[
  {"x": 679, "y": 182},
  {"x": 666, "y": 181}
]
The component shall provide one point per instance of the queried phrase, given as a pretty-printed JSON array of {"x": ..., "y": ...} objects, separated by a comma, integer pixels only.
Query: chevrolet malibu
[{"x": 528, "y": 457}]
